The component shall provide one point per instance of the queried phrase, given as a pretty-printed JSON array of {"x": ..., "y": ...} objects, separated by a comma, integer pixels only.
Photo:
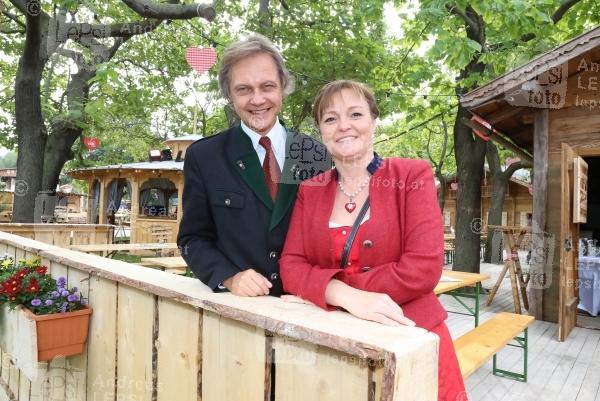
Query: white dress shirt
[{"x": 277, "y": 135}]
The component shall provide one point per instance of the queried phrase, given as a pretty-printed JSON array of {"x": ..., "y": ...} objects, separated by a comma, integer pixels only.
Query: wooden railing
[
  {"x": 62, "y": 235},
  {"x": 157, "y": 336}
]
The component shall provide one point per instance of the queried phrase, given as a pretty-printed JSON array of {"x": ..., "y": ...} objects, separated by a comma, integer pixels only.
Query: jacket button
[
  {"x": 273, "y": 254},
  {"x": 368, "y": 243},
  {"x": 228, "y": 201},
  {"x": 274, "y": 276},
  {"x": 366, "y": 268}
]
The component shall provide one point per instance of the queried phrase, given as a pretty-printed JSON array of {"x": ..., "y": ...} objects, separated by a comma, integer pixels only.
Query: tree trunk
[
  {"x": 30, "y": 127},
  {"x": 469, "y": 171},
  {"x": 493, "y": 247},
  {"x": 442, "y": 191},
  {"x": 65, "y": 132}
]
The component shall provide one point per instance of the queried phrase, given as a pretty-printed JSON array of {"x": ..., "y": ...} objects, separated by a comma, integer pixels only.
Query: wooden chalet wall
[
  {"x": 518, "y": 200},
  {"x": 578, "y": 127},
  {"x": 156, "y": 336}
]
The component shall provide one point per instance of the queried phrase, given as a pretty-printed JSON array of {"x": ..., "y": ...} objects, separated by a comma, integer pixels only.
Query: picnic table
[
  {"x": 171, "y": 264},
  {"x": 108, "y": 250},
  {"x": 451, "y": 284}
]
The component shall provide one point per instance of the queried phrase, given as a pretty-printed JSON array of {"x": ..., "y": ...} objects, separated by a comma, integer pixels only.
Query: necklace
[{"x": 351, "y": 205}]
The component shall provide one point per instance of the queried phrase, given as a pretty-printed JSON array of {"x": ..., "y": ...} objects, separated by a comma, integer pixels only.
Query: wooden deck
[{"x": 558, "y": 371}]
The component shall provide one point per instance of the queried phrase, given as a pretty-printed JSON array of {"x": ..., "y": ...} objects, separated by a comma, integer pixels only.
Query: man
[{"x": 239, "y": 187}]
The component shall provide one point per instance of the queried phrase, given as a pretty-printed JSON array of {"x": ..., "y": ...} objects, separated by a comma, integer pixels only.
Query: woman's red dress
[{"x": 451, "y": 386}]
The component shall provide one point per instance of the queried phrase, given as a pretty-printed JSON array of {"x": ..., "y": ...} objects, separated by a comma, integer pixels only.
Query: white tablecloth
[{"x": 589, "y": 289}]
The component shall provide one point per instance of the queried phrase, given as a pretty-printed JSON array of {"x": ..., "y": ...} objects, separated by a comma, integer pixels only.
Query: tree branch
[
  {"x": 463, "y": 15},
  {"x": 21, "y": 5},
  {"x": 510, "y": 170},
  {"x": 14, "y": 18},
  {"x": 565, "y": 6},
  {"x": 150, "y": 9},
  {"x": 12, "y": 32},
  {"x": 427, "y": 148},
  {"x": 72, "y": 54},
  {"x": 493, "y": 158},
  {"x": 562, "y": 9}
]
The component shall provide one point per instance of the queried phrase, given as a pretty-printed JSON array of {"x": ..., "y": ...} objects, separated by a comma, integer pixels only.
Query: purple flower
[
  {"x": 36, "y": 302},
  {"x": 60, "y": 283},
  {"x": 54, "y": 294},
  {"x": 64, "y": 293},
  {"x": 72, "y": 297},
  {"x": 49, "y": 302}
]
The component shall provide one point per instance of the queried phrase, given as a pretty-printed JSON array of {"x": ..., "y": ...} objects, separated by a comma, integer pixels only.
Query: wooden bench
[{"x": 477, "y": 346}]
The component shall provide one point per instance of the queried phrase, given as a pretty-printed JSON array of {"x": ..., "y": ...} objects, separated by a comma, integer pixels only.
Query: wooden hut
[
  {"x": 550, "y": 108},
  {"x": 153, "y": 190},
  {"x": 8, "y": 176},
  {"x": 517, "y": 209}
]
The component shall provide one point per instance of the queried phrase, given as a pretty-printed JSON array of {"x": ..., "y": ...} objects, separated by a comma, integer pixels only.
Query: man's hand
[{"x": 248, "y": 283}]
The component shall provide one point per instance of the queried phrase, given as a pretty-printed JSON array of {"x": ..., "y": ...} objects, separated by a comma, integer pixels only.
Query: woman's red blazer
[{"x": 401, "y": 244}]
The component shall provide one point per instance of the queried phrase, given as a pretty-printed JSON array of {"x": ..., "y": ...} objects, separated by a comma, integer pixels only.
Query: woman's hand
[{"x": 366, "y": 305}]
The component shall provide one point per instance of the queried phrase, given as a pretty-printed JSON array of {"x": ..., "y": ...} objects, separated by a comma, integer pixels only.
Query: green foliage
[
  {"x": 9, "y": 160},
  {"x": 137, "y": 99}
]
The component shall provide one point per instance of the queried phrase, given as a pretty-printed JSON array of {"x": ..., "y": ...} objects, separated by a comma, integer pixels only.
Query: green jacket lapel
[{"x": 248, "y": 165}]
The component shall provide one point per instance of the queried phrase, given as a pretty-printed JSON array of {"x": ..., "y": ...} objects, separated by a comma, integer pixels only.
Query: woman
[{"x": 395, "y": 260}]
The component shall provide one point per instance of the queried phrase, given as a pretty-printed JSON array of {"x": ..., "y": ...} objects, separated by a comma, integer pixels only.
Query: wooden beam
[
  {"x": 497, "y": 138},
  {"x": 540, "y": 194},
  {"x": 503, "y": 114}
]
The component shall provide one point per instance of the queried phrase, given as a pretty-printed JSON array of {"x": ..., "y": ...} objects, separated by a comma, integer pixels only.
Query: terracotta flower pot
[{"x": 61, "y": 334}]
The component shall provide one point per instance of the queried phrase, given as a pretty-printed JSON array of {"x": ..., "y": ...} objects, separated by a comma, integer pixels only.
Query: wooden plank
[
  {"x": 102, "y": 340},
  {"x": 555, "y": 383},
  {"x": 567, "y": 315},
  {"x": 135, "y": 336},
  {"x": 576, "y": 374},
  {"x": 178, "y": 361},
  {"x": 233, "y": 360},
  {"x": 55, "y": 380},
  {"x": 466, "y": 280},
  {"x": 306, "y": 371},
  {"x": 24, "y": 388},
  {"x": 480, "y": 344},
  {"x": 13, "y": 382},
  {"x": 44, "y": 236},
  {"x": 5, "y": 367},
  {"x": 511, "y": 358},
  {"x": 76, "y": 375},
  {"x": 62, "y": 238},
  {"x": 591, "y": 382}
]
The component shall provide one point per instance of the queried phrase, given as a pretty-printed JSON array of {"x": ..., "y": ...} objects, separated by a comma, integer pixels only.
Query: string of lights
[{"x": 419, "y": 125}]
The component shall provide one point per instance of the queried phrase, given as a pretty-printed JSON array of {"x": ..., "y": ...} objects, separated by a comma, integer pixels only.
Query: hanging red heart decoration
[
  {"x": 200, "y": 59},
  {"x": 91, "y": 143},
  {"x": 454, "y": 186}
]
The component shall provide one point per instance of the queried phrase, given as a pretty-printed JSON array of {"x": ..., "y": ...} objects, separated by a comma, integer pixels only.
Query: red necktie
[{"x": 270, "y": 167}]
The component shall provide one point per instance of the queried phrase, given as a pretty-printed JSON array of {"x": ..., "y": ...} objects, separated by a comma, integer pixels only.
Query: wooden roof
[
  {"x": 168, "y": 165},
  {"x": 503, "y": 102}
]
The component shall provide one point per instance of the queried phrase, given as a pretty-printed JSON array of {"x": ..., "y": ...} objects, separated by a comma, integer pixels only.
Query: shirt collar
[
  {"x": 373, "y": 166},
  {"x": 277, "y": 136}
]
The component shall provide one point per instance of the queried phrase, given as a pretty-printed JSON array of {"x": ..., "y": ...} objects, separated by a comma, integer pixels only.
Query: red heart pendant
[
  {"x": 350, "y": 206},
  {"x": 201, "y": 60}
]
